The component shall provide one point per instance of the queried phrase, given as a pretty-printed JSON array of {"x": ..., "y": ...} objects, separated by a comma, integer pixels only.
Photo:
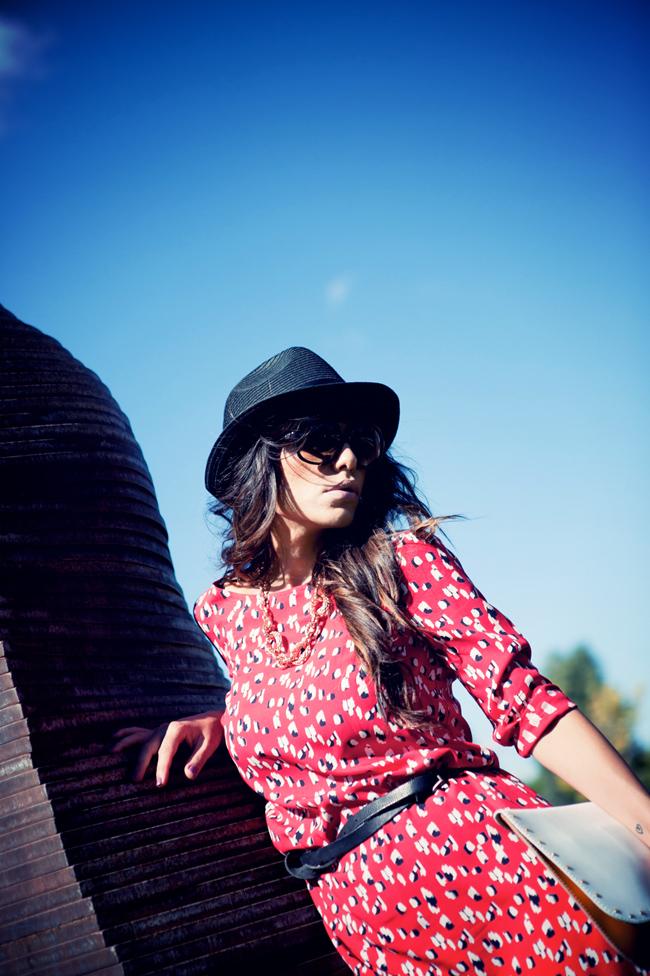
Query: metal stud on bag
[{"x": 581, "y": 844}]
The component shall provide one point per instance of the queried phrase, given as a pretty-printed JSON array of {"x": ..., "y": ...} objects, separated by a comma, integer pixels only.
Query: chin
[{"x": 339, "y": 520}]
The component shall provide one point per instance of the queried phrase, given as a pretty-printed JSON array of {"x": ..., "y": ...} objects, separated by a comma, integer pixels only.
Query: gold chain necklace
[{"x": 285, "y": 654}]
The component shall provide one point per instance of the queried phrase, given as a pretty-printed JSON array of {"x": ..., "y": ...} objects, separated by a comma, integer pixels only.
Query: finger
[
  {"x": 175, "y": 734},
  {"x": 145, "y": 756},
  {"x": 131, "y": 729},
  {"x": 131, "y": 740},
  {"x": 200, "y": 756}
]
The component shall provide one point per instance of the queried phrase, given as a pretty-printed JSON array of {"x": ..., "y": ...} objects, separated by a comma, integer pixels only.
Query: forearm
[{"x": 579, "y": 753}]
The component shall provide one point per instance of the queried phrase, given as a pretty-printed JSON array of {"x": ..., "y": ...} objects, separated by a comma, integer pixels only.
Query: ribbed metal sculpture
[{"x": 100, "y": 875}]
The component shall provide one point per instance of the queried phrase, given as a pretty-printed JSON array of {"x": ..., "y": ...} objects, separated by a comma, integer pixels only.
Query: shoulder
[
  {"x": 429, "y": 558},
  {"x": 210, "y": 603},
  {"x": 410, "y": 546}
]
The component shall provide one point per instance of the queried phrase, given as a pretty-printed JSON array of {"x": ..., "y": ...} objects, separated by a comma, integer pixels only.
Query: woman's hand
[{"x": 203, "y": 733}]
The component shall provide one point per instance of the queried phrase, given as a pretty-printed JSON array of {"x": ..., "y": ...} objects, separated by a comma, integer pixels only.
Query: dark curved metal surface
[{"x": 100, "y": 875}]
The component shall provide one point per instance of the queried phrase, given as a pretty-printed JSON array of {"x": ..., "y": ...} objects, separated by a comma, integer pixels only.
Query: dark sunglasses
[{"x": 318, "y": 442}]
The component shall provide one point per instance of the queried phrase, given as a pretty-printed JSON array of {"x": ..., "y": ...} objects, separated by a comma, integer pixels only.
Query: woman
[{"x": 343, "y": 621}]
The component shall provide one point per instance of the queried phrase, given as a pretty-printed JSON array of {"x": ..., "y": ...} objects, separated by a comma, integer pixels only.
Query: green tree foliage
[{"x": 580, "y": 676}]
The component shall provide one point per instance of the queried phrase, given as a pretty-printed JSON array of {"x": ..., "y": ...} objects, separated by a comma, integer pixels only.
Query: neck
[{"x": 296, "y": 549}]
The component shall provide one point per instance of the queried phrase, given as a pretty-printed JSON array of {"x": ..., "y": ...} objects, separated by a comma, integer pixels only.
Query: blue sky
[{"x": 447, "y": 197}]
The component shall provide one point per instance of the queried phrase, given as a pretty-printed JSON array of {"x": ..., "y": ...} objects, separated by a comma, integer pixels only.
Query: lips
[{"x": 351, "y": 488}]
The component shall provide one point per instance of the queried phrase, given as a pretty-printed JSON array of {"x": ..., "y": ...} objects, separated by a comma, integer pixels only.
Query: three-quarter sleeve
[{"x": 480, "y": 644}]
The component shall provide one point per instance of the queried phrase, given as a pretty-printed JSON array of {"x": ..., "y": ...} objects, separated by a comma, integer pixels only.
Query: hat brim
[{"x": 374, "y": 402}]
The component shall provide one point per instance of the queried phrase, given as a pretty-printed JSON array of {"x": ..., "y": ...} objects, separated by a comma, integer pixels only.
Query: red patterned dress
[{"x": 443, "y": 888}]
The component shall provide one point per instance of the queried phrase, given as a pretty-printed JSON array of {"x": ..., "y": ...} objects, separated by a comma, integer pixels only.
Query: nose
[{"x": 347, "y": 459}]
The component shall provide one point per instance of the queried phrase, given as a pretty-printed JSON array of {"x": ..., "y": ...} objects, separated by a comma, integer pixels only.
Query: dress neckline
[{"x": 228, "y": 590}]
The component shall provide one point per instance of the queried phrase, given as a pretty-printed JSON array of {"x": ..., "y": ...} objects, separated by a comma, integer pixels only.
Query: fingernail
[
  {"x": 191, "y": 770},
  {"x": 159, "y": 781}
]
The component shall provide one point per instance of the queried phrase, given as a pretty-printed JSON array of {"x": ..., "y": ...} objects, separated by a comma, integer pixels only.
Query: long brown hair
[{"x": 356, "y": 565}]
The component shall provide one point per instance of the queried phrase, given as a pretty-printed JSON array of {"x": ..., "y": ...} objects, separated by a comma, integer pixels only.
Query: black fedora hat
[{"x": 298, "y": 381}]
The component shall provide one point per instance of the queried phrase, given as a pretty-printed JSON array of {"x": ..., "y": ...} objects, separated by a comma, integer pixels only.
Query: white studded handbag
[{"x": 603, "y": 865}]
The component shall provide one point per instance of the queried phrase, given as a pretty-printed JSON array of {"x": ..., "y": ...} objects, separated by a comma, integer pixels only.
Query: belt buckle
[{"x": 426, "y": 791}]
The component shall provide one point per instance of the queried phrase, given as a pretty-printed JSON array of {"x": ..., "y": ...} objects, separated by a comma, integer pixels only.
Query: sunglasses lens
[
  {"x": 367, "y": 445},
  {"x": 324, "y": 442}
]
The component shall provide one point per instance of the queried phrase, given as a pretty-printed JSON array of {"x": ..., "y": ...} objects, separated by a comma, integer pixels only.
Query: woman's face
[{"x": 321, "y": 495}]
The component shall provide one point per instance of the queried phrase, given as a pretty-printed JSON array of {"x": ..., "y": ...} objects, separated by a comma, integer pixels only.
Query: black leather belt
[{"x": 310, "y": 862}]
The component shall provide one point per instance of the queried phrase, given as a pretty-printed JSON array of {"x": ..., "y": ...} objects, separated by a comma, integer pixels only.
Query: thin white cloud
[
  {"x": 337, "y": 289},
  {"x": 20, "y": 49},
  {"x": 20, "y": 58}
]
